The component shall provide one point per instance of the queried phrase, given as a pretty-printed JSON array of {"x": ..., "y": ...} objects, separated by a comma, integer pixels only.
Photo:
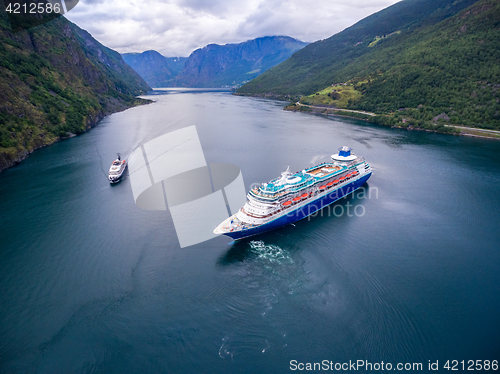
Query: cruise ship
[
  {"x": 117, "y": 169},
  {"x": 294, "y": 196}
]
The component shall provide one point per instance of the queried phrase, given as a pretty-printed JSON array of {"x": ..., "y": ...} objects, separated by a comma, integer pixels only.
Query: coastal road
[
  {"x": 496, "y": 132},
  {"x": 343, "y": 110},
  {"x": 469, "y": 131}
]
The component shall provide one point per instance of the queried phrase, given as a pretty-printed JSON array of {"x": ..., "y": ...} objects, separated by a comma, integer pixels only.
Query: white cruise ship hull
[{"x": 297, "y": 212}]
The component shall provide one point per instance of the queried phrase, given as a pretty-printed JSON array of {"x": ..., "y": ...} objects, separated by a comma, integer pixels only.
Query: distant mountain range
[
  {"x": 156, "y": 69},
  {"x": 215, "y": 65},
  {"x": 414, "y": 63},
  {"x": 56, "y": 80}
]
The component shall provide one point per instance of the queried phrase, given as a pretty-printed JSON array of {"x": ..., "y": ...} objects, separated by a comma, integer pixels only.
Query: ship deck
[
  {"x": 299, "y": 180},
  {"x": 323, "y": 171}
]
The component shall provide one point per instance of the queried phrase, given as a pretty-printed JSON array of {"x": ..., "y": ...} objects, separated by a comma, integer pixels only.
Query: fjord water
[{"x": 90, "y": 283}]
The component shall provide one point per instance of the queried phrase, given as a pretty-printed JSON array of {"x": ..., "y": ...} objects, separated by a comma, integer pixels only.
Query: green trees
[
  {"x": 56, "y": 79},
  {"x": 443, "y": 64}
]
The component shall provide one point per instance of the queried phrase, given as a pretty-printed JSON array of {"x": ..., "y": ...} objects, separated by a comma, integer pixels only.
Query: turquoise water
[{"x": 410, "y": 273}]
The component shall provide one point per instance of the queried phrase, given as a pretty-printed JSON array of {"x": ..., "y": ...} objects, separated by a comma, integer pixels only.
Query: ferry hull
[
  {"x": 118, "y": 177},
  {"x": 303, "y": 211}
]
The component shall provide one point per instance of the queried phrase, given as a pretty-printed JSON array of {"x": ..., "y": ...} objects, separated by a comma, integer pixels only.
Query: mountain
[
  {"x": 156, "y": 69},
  {"x": 233, "y": 64},
  {"x": 417, "y": 59},
  {"x": 326, "y": 61},
  {"x": 55, "y": 81}
]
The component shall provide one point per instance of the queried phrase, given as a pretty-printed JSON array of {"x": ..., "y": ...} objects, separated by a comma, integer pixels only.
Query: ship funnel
[
  {"x": 345, "y": 151},
  {"x": 344, "y": 154}
]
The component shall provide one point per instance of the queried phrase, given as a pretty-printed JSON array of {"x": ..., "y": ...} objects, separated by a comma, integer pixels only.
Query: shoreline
[
  {"x": 8, "y": 161},
  {"x": 365, "y": 116}
]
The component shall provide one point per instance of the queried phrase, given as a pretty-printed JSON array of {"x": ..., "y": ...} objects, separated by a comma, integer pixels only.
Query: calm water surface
[{"x": 89, "y": 283}]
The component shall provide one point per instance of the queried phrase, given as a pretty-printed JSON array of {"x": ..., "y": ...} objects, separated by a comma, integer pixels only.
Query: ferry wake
[{"x": 297, "y": 195}]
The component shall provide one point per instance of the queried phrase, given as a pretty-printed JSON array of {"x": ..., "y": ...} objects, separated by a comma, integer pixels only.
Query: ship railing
[
  {"x": 284, "y": 193},
  {"x": 254, "y": 216},
  {"x": 317, "y": 166}
]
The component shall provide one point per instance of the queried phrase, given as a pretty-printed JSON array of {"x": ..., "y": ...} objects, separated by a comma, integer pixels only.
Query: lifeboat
[
  {"x": 304, "y": 195},
  {"x": 286, "y": 203},
  {"x": 336, "y": 181},
  {"x": 342, "y": 179},
  {"x": 329, "y": 184},
  {"x": 296, "y": 198},
  {"x": 322, "y": 187}
]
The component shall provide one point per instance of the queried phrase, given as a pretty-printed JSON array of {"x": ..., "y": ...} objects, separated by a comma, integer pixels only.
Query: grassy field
[
  {"x": 444, "y": 62},
  {"x": 338, "y": 96},
  {"x": 379, "y": 38}
]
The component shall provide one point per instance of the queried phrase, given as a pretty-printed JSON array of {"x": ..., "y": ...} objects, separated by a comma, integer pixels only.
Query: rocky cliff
[
  {"x": 156, "y": 69},
  {"x": 234, "y": 64},
  {"x": 56, "y": 80}
]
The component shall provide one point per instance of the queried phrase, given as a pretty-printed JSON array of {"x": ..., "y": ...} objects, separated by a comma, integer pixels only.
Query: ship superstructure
[
  {"x": 117, "y": 169},
  {"x": 297, "y": 195}
]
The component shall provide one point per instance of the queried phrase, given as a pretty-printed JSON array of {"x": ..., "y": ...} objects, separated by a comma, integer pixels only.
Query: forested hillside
[
  {"x": 446, "y": 61},
  {"x": 56, "y": 80}
]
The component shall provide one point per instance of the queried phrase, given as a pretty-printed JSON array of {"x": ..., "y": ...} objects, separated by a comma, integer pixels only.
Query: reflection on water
[{"x": 180, "y": 90}]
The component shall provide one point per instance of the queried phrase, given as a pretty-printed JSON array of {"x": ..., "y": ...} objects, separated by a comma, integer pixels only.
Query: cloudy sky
[{"x": 178, "y": 27}]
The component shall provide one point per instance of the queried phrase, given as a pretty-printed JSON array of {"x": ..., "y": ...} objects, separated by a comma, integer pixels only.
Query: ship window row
[
  {"x": 272, "y": 194},
  {"x": 325, "y": 181},
  {"x": 256, "y": 216},
  {"x": 255, "y": 210},
  {"x": 285, "y": 192}
]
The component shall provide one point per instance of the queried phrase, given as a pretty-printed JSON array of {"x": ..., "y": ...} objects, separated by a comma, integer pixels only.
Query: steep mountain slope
[
  {"x": 233, "y": 64},
  {"x": 447, "y": 71},
  {"x": 55, "y": 79},
  {"x": 451, "y": 68},
  {"x": 325, "y": 61},
  {"x": 156, "y": 69}
]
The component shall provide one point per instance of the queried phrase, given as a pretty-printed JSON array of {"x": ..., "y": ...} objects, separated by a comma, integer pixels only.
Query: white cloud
[{"x": 177, "y": 27}]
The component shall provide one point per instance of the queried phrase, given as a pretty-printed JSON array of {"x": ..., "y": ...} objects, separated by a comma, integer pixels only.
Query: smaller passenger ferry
[
  {"x": 117, "y": 169},
  {"x": 297, "y": 195}
]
